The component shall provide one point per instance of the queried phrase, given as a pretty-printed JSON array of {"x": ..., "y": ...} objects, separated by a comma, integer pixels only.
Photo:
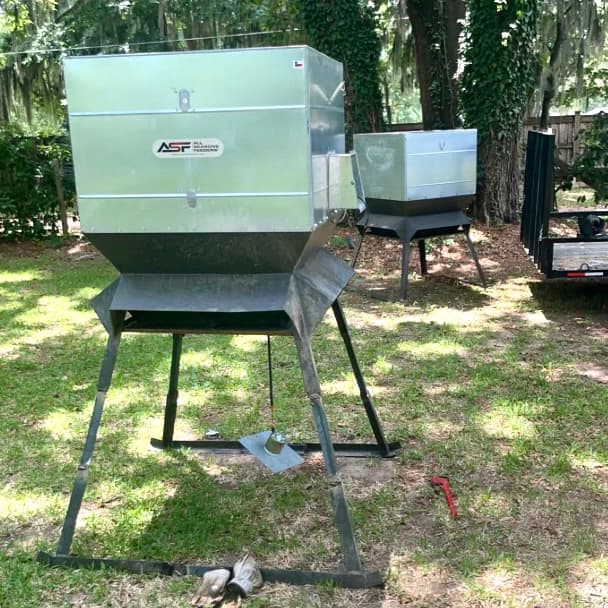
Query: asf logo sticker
[{"x": 188, "y": 148}]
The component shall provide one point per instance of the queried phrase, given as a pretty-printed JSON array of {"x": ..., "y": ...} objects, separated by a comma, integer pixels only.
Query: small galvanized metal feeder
[
  {"x": 418, "y": 185},
  {"x": 211, "y": 180}
]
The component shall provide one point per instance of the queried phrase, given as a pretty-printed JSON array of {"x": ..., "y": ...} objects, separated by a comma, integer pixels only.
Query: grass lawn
[{"x": 504, "y": 390}]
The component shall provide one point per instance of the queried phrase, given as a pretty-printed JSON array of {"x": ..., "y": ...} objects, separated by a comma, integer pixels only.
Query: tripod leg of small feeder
[
  {"x": 405, "y": 264},
  {"x": 366, "y": 398},
  {"x": 352, "y": 561},
  {"x": 105, "y": 378},
  {"x": 422, "y": 254},
  {"x": 482, "y": 277},
  {"x": 358, "y": 247},
  {"x": 172, "y": 394}
]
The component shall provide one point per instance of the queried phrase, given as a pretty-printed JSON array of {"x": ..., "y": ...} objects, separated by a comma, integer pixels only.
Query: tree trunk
[
  {"x": 549, "y": 79},
  {"x": 63, "y": 212},
  {"x": 4, "y": 97},
  {"x": 497, "y": 200},
  {"x": 436, "y": 26}
]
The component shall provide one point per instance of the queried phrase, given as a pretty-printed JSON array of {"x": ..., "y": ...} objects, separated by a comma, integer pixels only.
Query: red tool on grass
[{"x": 443, "y": 483}]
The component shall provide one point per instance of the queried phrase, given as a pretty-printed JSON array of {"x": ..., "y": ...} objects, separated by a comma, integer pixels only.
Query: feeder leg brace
[
  {"x": 381, "y": 448},
  {"x": 80, "y": 483},
  {"x": 352, "y": 560},
  {"x": 366, "y": 399},
  {"x": 467, "y": 236},
  {"x": 172, "y": 394},
  {"x": 424, "y": 269},
  {"x": 362, "y": 230}
]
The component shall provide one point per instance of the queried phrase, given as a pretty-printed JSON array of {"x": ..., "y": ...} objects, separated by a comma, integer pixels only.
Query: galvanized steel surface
[
  {"x": 417, "y": 165},
  {"x": 222, "y": 141}
]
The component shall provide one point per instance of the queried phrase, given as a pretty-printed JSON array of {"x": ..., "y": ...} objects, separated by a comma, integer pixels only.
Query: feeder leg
[
  {"x": 358, "y": 246},
  {"x": 405, "y": 263},
  {"x": 352, "y": 561},
  {"x": 366, "y": 398},
  {"x": 482, "y": 277},
  {"x": 172, "y": 394},
  {"x": 105, "y": 378},
  {"x": 422, "y": 253}
]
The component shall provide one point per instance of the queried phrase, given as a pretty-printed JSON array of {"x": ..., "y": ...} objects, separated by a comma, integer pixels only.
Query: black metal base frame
[
  {"x": 352, "y": 577},
  {"x": 349, "y": 580},
  {"x": 417, "y": 228}
]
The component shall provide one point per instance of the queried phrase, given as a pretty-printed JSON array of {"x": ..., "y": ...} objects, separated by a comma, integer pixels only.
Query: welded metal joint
[{"x": 315, "y": 400}]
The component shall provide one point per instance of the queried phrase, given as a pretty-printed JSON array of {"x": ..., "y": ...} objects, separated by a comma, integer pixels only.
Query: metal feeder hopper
[
  {"x": 418, "y": 185},
  {"x": 211, "y": 180}
]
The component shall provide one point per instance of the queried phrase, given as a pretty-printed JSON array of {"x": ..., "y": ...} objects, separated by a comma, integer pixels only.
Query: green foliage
[
  {"x": 500, "y": 66},
  {"x": 29, "y": 207},
  {"x": 345, "y": 30},
  {"x": 33, "y": 34},
  {"x": 594, "y": 88},
  {"x": 591, "y": 166},
  {"x": 572, "y": 45},
  {"x": 500, "y": 71}
]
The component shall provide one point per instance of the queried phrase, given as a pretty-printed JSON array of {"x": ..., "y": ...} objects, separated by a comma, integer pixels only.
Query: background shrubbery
[{"x": 29, "y": 203}]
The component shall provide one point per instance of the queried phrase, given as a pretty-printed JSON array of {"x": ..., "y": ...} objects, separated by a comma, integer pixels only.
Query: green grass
[{"x": 482, "y": 386}]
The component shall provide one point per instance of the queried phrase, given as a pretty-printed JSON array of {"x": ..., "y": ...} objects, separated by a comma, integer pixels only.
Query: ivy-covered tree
[
  {"x": 345, "y": 30},
  {"x": 499, "y": 74}
]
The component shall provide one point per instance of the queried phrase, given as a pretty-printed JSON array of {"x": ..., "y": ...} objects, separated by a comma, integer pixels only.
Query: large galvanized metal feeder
[
  {"x": 418, "y": 185},
  {"x": 211, "y": 181}
]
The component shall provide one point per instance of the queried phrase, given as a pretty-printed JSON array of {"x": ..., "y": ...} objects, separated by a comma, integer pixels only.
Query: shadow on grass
[
  {"x": 558, "y": 298},
  {"x": 439, "y": 289}
]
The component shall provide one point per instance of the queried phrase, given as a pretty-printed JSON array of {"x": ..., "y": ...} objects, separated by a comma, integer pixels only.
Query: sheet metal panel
[
  {"x": 382, "y": 164},
  {"x": 216, "y": 80},
  {"x": 418, "y": 165},
  {"x": 326, "y": 106},
  {"x": 217, "y": 141}
]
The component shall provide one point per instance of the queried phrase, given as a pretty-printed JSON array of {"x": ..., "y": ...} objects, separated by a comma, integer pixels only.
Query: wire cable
[{"x": 128, "y": 44}]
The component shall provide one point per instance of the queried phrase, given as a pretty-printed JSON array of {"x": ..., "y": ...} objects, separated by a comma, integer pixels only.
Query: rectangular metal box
[
  {"x": 417, "y": 165},
  {"x": 231, "y": 141}
]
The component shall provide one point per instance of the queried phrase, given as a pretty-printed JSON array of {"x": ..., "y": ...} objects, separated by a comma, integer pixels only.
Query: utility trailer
[{"x": 564, "y": 257}]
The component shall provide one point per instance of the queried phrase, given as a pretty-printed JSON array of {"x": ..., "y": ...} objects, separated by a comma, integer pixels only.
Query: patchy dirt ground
[
  {"x": 503, "y": 389},
  {"x": 499, "y": 251}
]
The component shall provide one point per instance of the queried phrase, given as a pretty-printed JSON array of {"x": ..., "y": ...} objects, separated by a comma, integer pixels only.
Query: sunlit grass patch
[
  {"x": 429, "y": 349},
  {"x": 21, "y": 507},
  {"x": 503, "y": 422},
  {"x": 478, "y": 385},
  {"x": 23, "y": 276}
]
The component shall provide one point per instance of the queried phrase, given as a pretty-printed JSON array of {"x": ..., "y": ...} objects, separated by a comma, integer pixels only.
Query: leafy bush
[
  {"x": 591, "y": 166},
  {"x": 29, "y": 206}
]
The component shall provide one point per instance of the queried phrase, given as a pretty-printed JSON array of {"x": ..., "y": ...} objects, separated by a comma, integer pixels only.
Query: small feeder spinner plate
[{"x": 286, "y": 459}]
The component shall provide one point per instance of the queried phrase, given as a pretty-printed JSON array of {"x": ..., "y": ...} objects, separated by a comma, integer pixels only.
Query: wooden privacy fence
[
  {"x": 566, "y": 129},
  {"x": 567, "y": 133}
]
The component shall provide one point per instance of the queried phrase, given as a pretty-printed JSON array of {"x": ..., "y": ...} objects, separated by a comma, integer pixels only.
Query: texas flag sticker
[{"x": 298, "y": 64}]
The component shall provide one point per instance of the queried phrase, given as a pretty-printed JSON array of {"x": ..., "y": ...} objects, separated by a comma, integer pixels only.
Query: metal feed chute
[{"x": 211, "y": 181}]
